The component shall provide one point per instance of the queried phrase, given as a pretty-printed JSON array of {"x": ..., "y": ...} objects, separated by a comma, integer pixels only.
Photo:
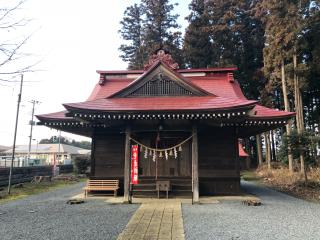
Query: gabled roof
[
  {"x": 207, "y": 90},
  {"x": 110, "y": 87},
  {"x": 218, "y": 84},
  {"x": 160, "y": 68}
]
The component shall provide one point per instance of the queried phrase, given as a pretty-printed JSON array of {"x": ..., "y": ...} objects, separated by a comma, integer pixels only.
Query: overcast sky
[{"x": 73, "y": 39}]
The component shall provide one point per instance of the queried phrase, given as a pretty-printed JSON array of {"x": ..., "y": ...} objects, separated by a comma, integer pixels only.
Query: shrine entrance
[
  {"x": 164, "y": 156},
  {"x": 167, "y": 160}
]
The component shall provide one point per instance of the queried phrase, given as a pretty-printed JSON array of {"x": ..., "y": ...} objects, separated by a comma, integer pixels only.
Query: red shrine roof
[
  {"x": 160, "y": 104},
  {"x": 55, "y": 116},
  {"x": 217, "y": 84},
  {"x": 242, "y": 153},
  {"x": 264, "y": 112},
  {"x": 204, "y": 89}
]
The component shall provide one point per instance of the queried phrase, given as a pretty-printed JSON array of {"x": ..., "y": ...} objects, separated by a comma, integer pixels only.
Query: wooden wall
[
  {"x": 218, "y": 161},
  {"x": 109, "y": 155}
]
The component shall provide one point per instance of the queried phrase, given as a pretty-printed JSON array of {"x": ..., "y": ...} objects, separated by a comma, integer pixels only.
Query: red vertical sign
[{"x": 134, "y": 164}]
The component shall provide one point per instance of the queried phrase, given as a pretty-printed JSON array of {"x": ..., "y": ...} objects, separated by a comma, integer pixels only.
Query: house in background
[
  {"x": 3, "y": 148},
  {"x": 43, "y": 154}
]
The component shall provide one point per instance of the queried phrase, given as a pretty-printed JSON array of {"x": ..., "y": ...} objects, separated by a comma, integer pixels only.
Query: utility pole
[
  {"x": 34, "y": 102},
  {"x": 15, "y": 134},
  {"x": 55, "y": 169}
]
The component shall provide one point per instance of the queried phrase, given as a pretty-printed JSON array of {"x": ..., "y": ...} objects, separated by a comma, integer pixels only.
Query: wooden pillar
[
  {"x": 259, "y": 150},
  {"x": 195, "y": 167},
  {"x": 126, "y": 175},
  {"x": 93, "y": 159}
]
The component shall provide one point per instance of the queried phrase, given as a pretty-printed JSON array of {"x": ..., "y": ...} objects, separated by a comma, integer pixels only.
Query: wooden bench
[{"x": 101, "y": 185}]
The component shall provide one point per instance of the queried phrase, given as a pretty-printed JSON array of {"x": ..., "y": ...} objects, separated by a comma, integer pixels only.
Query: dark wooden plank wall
[
  {"x": 218, "y": 166},
  {"x": 109, "y": 155},
  {"x": 109, "y": 158}
]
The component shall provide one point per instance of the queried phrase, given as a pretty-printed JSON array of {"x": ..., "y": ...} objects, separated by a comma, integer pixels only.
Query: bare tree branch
[{"x": 12, "y": 54}]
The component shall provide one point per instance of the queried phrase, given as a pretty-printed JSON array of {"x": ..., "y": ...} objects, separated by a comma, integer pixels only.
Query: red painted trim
[{"x": 191, "y": 70}]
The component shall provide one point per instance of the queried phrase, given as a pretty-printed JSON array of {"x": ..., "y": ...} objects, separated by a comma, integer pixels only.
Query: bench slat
[{"x": 102, "y": 185}]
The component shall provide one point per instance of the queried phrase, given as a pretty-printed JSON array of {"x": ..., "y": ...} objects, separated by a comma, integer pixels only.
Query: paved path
[
  {"x": 46, "y": 216},
  {"x": 280, "y": 217},
  {"x": 157, "y": 220}
]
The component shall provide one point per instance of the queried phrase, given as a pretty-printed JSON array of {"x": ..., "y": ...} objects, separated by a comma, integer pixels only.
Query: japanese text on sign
[{"x": 134, "y": 164}]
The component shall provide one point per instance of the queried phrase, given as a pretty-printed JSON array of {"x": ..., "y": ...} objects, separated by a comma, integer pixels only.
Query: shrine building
[{"x": 185, "y": 122}]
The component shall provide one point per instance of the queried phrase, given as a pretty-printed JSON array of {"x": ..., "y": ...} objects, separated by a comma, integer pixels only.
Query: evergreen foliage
[
  {"x": 263, "y": 38},
  {"x": 131, "y": 31},
  {"x": 305, "y": 142},
  {"x": 63, "y": 140},
  {"x": 226, "y": 33},
  {"x": 293, "y": 25},
  {"x": 148, "y": 27},
  {"x": 198, "y": 49},
  {"x": 81, "y": 164}
]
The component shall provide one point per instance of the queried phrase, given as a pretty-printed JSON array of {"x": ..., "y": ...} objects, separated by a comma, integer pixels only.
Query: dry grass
[
  {"x": 294, "y": 184},
  {"x": 27, "y": 189}
]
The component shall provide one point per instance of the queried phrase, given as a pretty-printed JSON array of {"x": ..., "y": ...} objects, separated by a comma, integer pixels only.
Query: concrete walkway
[{"x": 157, "y": 220}]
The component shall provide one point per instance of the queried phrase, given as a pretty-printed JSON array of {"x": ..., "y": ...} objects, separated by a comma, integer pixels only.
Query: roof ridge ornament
[
  {"x": 162, "y": 56},
  {"x": 230, "y": 77}
]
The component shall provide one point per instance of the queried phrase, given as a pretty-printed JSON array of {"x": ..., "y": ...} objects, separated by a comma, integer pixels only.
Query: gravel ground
[
  {"x": 47, "y": 216},
  {"x": 280, "y": 217}
]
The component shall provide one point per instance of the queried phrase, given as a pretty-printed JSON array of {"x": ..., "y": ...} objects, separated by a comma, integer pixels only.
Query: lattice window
[{"x": 161, "y": 86}]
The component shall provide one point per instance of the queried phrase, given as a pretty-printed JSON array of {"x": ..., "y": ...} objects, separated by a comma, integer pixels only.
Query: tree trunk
[
  {"x": 259, "y": 150},
  {"x": 299, "y": 114},
  {"x": 273, "y": 145},
  {"x": 268, "y": 150},
  {"x": 286, "y": 108}
]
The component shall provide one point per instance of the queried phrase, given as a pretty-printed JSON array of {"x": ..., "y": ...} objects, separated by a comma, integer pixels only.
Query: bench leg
[
  {"x": 167, "y": 194},
  {"x": 115, "y": 193}
]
